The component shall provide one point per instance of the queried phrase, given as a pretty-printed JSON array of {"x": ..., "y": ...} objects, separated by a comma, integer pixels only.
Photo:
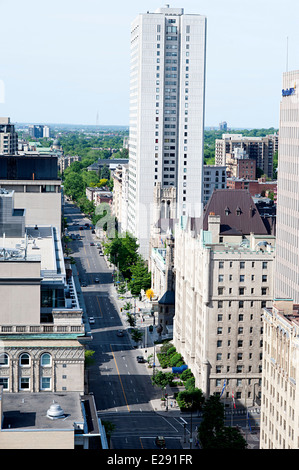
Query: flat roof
[
  {"x": 41, "y": 244},
  {"x": 28, "y": 411}
]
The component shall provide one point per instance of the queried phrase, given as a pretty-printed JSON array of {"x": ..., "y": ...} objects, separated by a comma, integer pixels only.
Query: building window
[
  {"x": 3, "y": 360},
  {"x": 46, "y": 360},
  {"x": 242, "y": 264},
  {"x": 4, "y": 382},
  {"x": 265, "y": 265},
  {"x": 24, "y": 383},
  {"x": 25, "y": 360},
  {"x": 221, "y": 264},
  {"x": 46, "y": 383}
]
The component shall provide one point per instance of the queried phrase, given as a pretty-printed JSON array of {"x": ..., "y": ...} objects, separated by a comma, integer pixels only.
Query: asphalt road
[{"x": 121, "y": 386}]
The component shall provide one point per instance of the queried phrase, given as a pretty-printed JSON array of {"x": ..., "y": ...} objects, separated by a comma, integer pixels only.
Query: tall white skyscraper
[
  {"x": 287, "y": 231},
  {"x": 167, "y": 97}
]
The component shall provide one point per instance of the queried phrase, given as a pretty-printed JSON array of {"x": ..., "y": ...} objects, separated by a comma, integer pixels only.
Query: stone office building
[{"x": 223, "y": 268}]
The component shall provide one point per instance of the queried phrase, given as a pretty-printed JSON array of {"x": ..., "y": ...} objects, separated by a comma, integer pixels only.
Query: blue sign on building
[{"x": 288, "y": 92}]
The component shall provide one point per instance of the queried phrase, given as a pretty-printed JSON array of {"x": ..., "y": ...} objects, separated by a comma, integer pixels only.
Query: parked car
[
  {"x": 91, "y": 320},
  {"x": 120, "y": 333},
  {"x": 140, "y": 359},
  {"x": 97, "y": 280},
  {"x": 91, "y": 244},
  {"x": 83, "y": 284}
]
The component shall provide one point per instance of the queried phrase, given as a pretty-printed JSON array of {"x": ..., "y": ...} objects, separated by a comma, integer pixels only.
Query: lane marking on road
[
  {"x": 170, "y": 424},
  {"x": 98, "y": 300},
  {"x": 120, "y": 379}
]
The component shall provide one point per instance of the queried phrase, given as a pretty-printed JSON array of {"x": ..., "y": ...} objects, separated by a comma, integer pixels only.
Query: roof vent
[{"x": 55, "y": 411}]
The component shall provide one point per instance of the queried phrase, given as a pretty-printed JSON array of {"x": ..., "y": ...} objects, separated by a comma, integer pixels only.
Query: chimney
[{"x": 214, "y": 226}]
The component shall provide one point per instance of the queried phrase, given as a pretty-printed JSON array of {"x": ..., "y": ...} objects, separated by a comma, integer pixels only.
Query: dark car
[
  {"x": 120, "y": 333},
  {"x": 160, "y": 441},
  {"x": 140, "y": 359},
  {"x": 97, "y": 280},
  {"x": 91, "y": 244},
  {"x": 83, "y": 284}
]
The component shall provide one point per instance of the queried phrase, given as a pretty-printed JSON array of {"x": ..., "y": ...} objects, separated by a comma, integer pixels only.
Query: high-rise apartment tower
[
  {"x": 287, "y": 254},
  {"x": 167, "y": 94}
]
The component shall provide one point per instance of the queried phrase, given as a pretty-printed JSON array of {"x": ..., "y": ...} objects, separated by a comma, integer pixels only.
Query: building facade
[
  {"x": 8, "y": 137},
  {"x": 279, "y": 407},
  {"x": 37, "y": 188},
  {"x": 41, "y": 321},
  {"x": 166, "y": 114},
  {"x": 224, "y": 276},
  {"x": 214, "y": 178},
  {"x": 287, "y": 257},
  {"x": 260, "y": 149}
]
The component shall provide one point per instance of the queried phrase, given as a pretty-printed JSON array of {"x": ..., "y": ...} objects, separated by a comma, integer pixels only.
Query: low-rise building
[{"x": 49, "y": 421}]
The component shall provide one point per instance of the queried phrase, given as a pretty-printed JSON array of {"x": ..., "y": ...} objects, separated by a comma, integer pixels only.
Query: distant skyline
[{"x": 69, "y": 61}]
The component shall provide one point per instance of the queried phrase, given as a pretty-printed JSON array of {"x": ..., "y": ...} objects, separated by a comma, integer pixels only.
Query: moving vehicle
[
  {"x": 91, "y": 320},
  {"x": 91, "y": 244},
  {"x": 120, "y": 333},
  {"x": 160, "y": 441},
  {"x": 97, "y": 280}
]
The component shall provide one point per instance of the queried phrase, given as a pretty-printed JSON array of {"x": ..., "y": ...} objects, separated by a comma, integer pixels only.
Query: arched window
[
  {"x": 46, "y": 360},
  {"x": 25, "y": 360},
  {"x": 3, "y": 360}
]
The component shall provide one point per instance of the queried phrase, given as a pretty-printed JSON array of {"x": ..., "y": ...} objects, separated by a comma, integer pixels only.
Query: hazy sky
[{"x": 65, "y": 61}]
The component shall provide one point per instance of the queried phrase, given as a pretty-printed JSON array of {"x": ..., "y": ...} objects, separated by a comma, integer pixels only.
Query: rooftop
[
  {"x": 237, "y": 211},
  {"x": 29, "y": 411}
]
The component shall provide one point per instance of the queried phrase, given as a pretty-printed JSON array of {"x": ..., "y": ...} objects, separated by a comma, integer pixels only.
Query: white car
[{"x": 91, "y": 320}]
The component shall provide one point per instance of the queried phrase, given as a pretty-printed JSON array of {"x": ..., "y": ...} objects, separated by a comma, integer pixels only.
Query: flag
[
  {"x": 223, "y": 388},
  {"x": 233, "y": 399}
]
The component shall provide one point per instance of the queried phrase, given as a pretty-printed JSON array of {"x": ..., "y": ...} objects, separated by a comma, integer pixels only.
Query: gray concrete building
[{"x": 8, "y": 137}]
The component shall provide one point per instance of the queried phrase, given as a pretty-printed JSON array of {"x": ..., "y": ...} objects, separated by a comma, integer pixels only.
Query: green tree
[
  {"x": 162, "y": 379},
  {"x": 136, "y": 335},
  {"x": 122, "y": 252},
  {"x": 140, "y": 277},
  {"x": 212, "y": 432},
  {"x": 74, "y": 185},
  {"x": 131, "y": 320},
  {"x": 191, "y": 399}
]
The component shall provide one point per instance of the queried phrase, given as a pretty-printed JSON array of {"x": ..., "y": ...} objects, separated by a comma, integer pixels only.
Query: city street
[
  {"x": 124, "y": 394},
  {"x": 121, "y": 386}
]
